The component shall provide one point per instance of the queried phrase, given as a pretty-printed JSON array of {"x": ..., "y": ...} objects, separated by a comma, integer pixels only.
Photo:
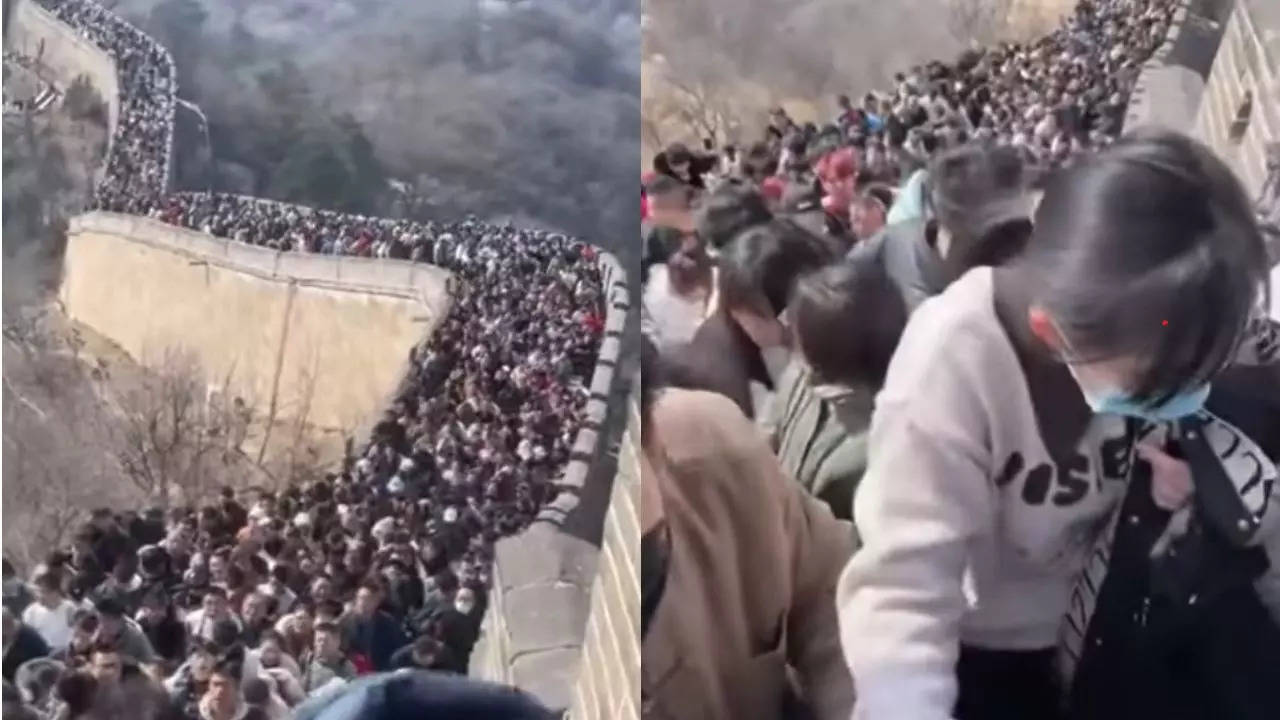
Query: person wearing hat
[{"x": 977, "y": 212}]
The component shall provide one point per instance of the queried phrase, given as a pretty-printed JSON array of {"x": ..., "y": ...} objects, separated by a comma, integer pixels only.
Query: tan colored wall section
[{"x": 248, "y": 311}]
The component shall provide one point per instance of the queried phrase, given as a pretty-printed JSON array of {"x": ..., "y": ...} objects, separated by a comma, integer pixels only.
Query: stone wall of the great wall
[
  {"x": 1247, "y": 61},
  {"x": 286, "y": 328}
]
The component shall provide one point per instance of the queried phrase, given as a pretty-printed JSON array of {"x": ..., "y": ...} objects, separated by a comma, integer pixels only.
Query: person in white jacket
[{"x": 1011, "y": 419}]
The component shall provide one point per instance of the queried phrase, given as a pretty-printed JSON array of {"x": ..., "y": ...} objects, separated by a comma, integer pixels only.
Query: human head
[
  {"x": 214, "y": 603},
  {"x": 974, "y": 189},
  {"x": 728, "y": 210},
  {"x": 689, "y": 267},
  {"x": 110, "y": 616},
  {"x": 1145, "y": 264},
  {"x": 424, "y": 648},
  {"x": 224, "y": 683},
  {"x": 271, "y": 649},
  {"x": 328, "y": 610},
  {"x": 678, "y": 160},
  {"x": 84, "y": 627},
  {"x": 759, "y": 269},
  {"x": 218, "y": 565},
  {"x": 328, "y": 641},
  {"x": 321, "y": 588},
  {"x": 368, "y": 597},
  {"x": 866, "y": 216},
  {"x": 668, "y": 200},
  {"x": 48, "y": 587},
  {"x": 200, "y": 661},
  {"x": 847, "y": 319},
  {"x": 106, "y": 663},
  {"x": 254, "y": 607}
]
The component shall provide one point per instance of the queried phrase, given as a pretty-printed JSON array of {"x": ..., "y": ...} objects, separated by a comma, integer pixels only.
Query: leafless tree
[
  {"x": 177, "y": 440},
  {"x": 978, "y": 22},
  {"x": 55, "y": 429}
]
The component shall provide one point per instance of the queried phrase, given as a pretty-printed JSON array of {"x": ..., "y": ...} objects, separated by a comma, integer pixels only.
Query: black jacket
[
  {"x": 1185, "y": 635},
  {"x": 378, "y": 637},
  {"x": 27, "y": 646}
]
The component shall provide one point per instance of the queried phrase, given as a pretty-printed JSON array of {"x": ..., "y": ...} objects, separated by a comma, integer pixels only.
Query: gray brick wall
[
  {"x": 608, "y": 684},
  {"x": 1248, "y": 60}
]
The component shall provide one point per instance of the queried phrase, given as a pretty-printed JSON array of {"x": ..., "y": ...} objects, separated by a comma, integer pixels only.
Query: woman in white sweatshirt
[{"x": 1011, "y": 419}]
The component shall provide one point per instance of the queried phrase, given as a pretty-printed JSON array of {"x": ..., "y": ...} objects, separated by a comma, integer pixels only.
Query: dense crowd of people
[
  {"x": 965, "y": 405},
  {"x": 247, "y": 605},
  {"x": 1048, "y": 100}
]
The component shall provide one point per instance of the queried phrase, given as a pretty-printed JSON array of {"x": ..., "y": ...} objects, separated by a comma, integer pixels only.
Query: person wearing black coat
[
  {"x": 1178, "y": 629},
  {"x": 370, "y": 631},
  {"x": 21, "y": 643}
]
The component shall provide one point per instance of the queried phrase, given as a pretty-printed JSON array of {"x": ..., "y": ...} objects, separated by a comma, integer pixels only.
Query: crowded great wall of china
[
  {"x": 522, "y": 336},
  {"x": 269, "y": 288}
]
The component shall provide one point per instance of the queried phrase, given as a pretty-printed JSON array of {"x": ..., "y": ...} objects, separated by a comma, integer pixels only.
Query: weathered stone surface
[
  {"x": 541, "y": 617},
  {"x": 548, "y": 676}
]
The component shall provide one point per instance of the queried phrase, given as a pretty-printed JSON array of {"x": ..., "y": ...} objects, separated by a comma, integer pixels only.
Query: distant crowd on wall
[
  {"x": 247, "y": 605},
  {"x": 964, "y": 404}
]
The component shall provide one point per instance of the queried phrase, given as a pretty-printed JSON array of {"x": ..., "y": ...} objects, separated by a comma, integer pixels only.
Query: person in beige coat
[{"x": 738, "y": 573}]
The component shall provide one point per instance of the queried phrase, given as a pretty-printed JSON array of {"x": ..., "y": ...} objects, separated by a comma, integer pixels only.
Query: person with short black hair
[
  {"x": 846, "y": 319},
  {"x": 222, "y": 700},
  {"x": 123, "y": 632},
  {"x": 214, "y": 607},
  {"x": 1015, "y": 411},
  {"x": 728, "y": 210},
  {"x": 328, "y": 662},
  {"x": 424, "y": 653},
  {"x": 741, "y": 349},
  {"x": 368, "y": 630}
]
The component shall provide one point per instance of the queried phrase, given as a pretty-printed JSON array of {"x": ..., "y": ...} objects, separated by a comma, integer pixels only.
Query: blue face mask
[{"x": 1118, "y": 402}]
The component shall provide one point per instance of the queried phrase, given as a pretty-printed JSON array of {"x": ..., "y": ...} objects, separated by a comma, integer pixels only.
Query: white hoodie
[{"x": 960, "y": 483}]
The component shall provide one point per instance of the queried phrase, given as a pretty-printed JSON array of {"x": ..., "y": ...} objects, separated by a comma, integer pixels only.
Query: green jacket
[{"x": 820, "y": 436}]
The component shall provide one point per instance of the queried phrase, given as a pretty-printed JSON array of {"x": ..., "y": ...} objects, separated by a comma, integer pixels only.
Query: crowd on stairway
[
  {"x": 246, "y": 605},
  {"x": 965, "y": 404}
]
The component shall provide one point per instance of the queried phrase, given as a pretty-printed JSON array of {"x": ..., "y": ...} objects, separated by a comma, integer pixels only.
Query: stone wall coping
[
  {"x": 399, "y": 278},
  {"x": 1137, "y": 97}
]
